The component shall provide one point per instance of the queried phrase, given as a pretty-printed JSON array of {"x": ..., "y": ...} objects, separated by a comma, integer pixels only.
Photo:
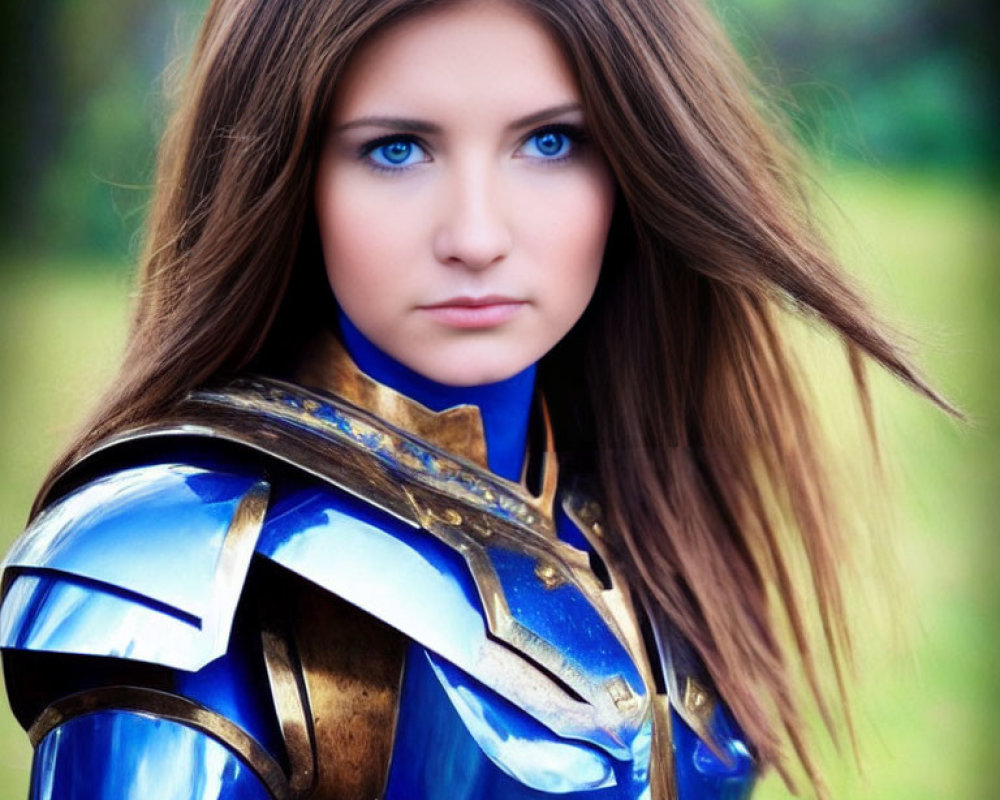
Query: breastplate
[
  {"x": 438, "y": 638},
  {"x": 467, "y": 567}
]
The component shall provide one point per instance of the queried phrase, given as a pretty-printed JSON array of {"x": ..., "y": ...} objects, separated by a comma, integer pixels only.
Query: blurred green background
[{"x": 895, "y": 99}]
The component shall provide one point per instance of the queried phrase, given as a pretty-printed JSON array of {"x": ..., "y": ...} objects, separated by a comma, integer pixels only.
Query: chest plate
[{"x": 514, "y": 644}]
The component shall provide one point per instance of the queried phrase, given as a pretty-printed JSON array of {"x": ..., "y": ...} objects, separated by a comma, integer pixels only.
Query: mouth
[{"x": 474, "y": 312}]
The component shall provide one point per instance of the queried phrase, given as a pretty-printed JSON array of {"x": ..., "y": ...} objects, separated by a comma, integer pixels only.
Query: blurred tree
[
  {"x": 898, "y": 81},
  {"x": 29, "y": 106},
  {"x": 85, "y": 106}
]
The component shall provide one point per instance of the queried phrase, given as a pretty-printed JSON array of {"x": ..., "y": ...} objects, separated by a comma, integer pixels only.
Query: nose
[{"x": 474, "y": 228}]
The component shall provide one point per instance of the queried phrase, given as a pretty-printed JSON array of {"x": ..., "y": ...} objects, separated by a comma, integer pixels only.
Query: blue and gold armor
[{"x": 278, "y": 592}]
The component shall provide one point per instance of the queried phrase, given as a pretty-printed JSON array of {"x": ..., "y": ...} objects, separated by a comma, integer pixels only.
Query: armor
[{"x": 277, "y": 592}]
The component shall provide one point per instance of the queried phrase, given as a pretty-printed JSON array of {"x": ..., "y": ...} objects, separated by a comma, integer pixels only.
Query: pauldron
[{"x": 425, "y": 631}]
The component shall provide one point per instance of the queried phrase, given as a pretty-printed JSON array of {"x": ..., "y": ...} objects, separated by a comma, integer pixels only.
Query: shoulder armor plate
[{"x": 146, "y": 563}]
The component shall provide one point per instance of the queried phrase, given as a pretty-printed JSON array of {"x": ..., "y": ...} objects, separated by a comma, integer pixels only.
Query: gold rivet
[
  {"x": 697, "y": 700},
  {"x": 548, "y": 575}
]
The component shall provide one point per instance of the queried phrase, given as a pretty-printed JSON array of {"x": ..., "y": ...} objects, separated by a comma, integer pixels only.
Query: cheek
[
  {"x": 357, "y": 251},
  {"x": 569, "y": 232}
]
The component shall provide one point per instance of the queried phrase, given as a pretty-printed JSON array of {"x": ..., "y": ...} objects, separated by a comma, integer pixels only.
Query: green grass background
[{"x": 926, "y": 247}]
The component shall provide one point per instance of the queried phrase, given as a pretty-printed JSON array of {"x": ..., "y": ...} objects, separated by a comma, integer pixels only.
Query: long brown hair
[{"x": 677, "y": 389}]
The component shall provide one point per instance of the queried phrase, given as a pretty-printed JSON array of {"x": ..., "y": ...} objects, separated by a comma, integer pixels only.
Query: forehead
[{"x": 472, "y": 55}]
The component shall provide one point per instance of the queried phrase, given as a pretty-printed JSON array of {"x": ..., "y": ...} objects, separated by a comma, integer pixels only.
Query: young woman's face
[{"x": 462, "y": 212}]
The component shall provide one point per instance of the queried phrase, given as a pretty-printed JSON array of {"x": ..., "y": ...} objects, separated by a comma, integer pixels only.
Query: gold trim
[
  {"x": 558, "y": 563},
  {"x": 291, "y": 706},
  {"x": 585, "y": 514},
  {"x": 545, "y": 502},
  {"x": 694, "y": 702},
  {"x": 492, "y": 509},
  {"x": 166, "y": 706},
  {"x": 327, "y": 365},
  {"x": 663, "y": 765},
  {"x": 698, "y": 702},
  {"x": 622, "y": 696},
  {"x": 261, "y": 412},
  {"x": 234, "y": 558},
  {"x": 351, "y": 665}
]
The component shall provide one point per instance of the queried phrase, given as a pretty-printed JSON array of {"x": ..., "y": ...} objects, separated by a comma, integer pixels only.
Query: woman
[{"x": 317, "y": 541}]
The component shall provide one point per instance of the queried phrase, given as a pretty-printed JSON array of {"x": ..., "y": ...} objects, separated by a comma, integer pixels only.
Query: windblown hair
[{"x": 676, "y": 389}]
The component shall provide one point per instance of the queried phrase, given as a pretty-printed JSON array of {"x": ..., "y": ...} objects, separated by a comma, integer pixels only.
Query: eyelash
[
  {"x": 366, "y": 150},
  {"x": 577, "y": 138},
  {"x": 576, "y": 134}
]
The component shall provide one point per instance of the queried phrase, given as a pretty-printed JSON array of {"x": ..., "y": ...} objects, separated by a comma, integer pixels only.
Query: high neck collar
[{"x": 487, "y": 424}]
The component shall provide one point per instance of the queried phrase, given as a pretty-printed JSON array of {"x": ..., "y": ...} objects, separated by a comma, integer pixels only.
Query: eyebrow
[{"x": 409, "y": 125}]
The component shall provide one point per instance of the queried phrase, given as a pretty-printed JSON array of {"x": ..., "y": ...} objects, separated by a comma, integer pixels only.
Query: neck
[{"x": 504, "y": 406}]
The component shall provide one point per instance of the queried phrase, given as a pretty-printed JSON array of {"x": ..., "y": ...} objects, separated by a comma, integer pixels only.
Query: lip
[{"x": 474, "y": 312}]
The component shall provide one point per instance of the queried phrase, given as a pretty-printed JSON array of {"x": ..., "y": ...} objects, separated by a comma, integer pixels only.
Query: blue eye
[
  {"x": 549, "y": 145},
  {"x": 395, "y": 153}
]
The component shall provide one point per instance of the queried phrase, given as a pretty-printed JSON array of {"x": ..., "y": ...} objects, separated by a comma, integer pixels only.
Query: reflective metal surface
[
  {"x": 57, "y": 614},
  {"x": 701, "y": 773},
  {"x": 382, "y": 566},
  {"x": 526, "y": 676},
  {"x": 164, "y": 706},
  {"x": 325, "y": 364},
  {"x": 457, "y": 740},
  {"x": 354, "y": 551},
  {"x": 87, "y": 758},
  {"x": 147, "y": 563},
  {"x": 235, "y": 687},
  {"x": 519, "y": 745},
  {"x": 350, "y": 665},
  {"x": 291, "y": 705},
  {"x": 474, "y": 513},
  {"x": 618, "y": 706},
  {"x": 710, "y": 755},
  {"x": 558, "y": 612},
  {"x": 248, "y": 408}
]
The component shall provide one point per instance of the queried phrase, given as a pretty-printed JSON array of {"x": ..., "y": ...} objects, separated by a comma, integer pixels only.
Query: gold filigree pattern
[
  {"x": 326, "y": 365},
  {"x": 334, "y": 419}
]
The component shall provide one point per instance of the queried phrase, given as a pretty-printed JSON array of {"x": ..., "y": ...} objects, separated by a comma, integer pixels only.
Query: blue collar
[{"x": 504, "y": 406}]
